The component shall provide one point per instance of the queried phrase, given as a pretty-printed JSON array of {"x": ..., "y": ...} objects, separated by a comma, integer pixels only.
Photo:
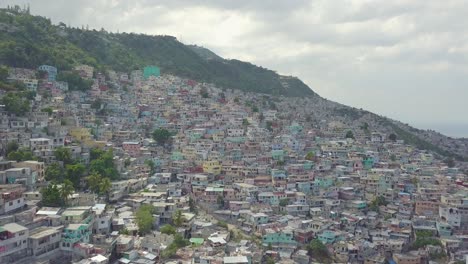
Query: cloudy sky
[{"x": 405, "y": 59}]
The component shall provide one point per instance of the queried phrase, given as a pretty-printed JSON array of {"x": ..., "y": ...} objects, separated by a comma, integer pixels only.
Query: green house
[
  {"x": 149, "y": 71},
  {"x": 281, "y": 237}
]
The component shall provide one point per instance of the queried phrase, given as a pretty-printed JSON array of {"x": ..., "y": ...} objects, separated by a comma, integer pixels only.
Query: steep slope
[{"x": 29, "y": 41}]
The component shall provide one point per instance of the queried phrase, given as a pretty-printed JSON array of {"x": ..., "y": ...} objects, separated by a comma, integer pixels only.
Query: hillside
[{"x": 29, "y": 41}]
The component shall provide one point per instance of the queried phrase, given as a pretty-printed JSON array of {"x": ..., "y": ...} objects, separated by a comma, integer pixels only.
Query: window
[{"x": 11, "y": 203}]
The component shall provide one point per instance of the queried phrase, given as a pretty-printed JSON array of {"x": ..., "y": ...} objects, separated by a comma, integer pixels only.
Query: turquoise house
[
  {"x": 149, "y": 71},
  {"x": 75, "y": 233},
  {"x": 280, "y": 237},
  {"x": 278, "y": 174},
  {"x": 277, "y": 155},
  {"x": 176, "y": 156},
  {"x": 368, "y": 163},
  {"x": 444, "y": 229},
  {"x": 304, "y": 187},
  {"x": 328, "y": 237},
  {"x": 268, "y": 198},
  {"x": 323, "y": 182},
  {"x": 295, "y": 128}
]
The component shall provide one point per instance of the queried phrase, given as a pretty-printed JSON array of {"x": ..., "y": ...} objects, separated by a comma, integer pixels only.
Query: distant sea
[{"x": 451, "y": 130}]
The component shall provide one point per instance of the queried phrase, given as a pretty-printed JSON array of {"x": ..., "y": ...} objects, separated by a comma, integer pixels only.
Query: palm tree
[
  {"x": 105, "y": 186},
  {"x": 66, "y": 190},
  {"x": 93, "y": 182}
]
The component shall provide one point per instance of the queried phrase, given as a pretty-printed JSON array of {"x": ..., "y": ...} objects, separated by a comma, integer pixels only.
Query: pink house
[{"x": 132, "y": 147}]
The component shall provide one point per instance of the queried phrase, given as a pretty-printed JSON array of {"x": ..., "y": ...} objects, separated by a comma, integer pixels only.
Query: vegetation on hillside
[{"x": 29, "y": 41}]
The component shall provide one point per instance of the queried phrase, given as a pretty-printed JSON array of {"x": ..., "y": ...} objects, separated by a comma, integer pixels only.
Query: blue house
[{"x": 50, "y": 70}]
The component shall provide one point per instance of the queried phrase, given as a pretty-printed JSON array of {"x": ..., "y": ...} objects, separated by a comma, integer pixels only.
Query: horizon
[{"x": 409, "y": 89}]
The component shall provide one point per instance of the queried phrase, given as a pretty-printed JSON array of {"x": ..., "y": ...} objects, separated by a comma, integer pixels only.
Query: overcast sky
[{"x": 404, "y": 59}]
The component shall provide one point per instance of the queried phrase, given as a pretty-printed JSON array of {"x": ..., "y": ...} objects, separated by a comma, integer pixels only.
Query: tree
[
  {"x": 284, "y": 202},
  {"x": 310, "y": 155},
  {"x": 349, "y": 134},
  {"x": 11, "y": 146},
  {"x": 93, "y": 181},
  {"x": 21, "y": 155},
  {"x": 51, "y": 196},
  {"x": 318, "y": 250},
  {"x": 48, "y": 110},
  {"x": 162, "y": 136},
  {"x": 66, "y": 190},
  {"x": 63, "y": 154},
  {"x": 145, "y": 219},
  {"x": 54, "y": 172},
  {"x": 150, "y": 163},
  {"x": 245, "y": 122},
  {"x": 15, "y": 104},
  {"x": 178, "y": 218},
  {"x": 3, "y": 73},
  {"x": 105, "y": 186},
  {"x": 74, "y": 172},
  {"x": 192, "y": 205},
  {"x": 167, "y": 229},
  {"x": 269, "y": 126},
  {"x": 127, "y": 162},
  {"x": 450, "y": 162},
  {"x": 220, "y": 201},
  {"x": 378, "y": 201},
  {"x": 392, "y": 137}
]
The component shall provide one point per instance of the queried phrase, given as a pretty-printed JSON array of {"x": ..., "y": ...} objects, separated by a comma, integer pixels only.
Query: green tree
[
  {"x": 450, "y": 162},
  {"x": 3, "y": 73},
  {"x": 192, "y": 205},
  {"x": 245, "y": 122},
  {"x": 54, "y": 172},
  {"x": 167, "y": 229},
  {"x": 127, "y": 163},
  {"x": 63, "y": 154},
  {"x": 145, "y": 219},
  {"x": 105, "y": 187},
  {"x": 51, "y": 196},
  {"x": 269, "y": 126},
  {"x": 48, "y": 110},
  {"x": 162, "y": 136},
  {"x": 349, "y": 134},
  {"x": 284, "y": 202},
  {"x": 220, "y": 201},
  {"x": 15, "y": 104},
  {"x": 318, "y": 250},
  {"x": 150, "y": 163},
  {"x": 21, "y": 155},
  {"x": 11, "y": 146},
  {"x": 66, "y": 190},
  {"x": 74, "y": 172},
  {"x": 178, "y": 218},
  {"x": 94, "y": 181},
  {"x": 392, "y": 137},
  {"x": 310, "y": 155}
]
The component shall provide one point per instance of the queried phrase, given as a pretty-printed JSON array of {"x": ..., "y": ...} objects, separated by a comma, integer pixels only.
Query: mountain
[{"x": 29, "y": 41}]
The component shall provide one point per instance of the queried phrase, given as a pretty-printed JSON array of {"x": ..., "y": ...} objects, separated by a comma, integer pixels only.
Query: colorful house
[
  {"x": 149, "y": 71},
  {"x": 50, "y": 70}
]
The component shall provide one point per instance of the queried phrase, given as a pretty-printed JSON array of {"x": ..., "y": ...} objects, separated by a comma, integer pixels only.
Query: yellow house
[
  {"x": 212, "y": 167},
  {"x": 80, "y": 134}
]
